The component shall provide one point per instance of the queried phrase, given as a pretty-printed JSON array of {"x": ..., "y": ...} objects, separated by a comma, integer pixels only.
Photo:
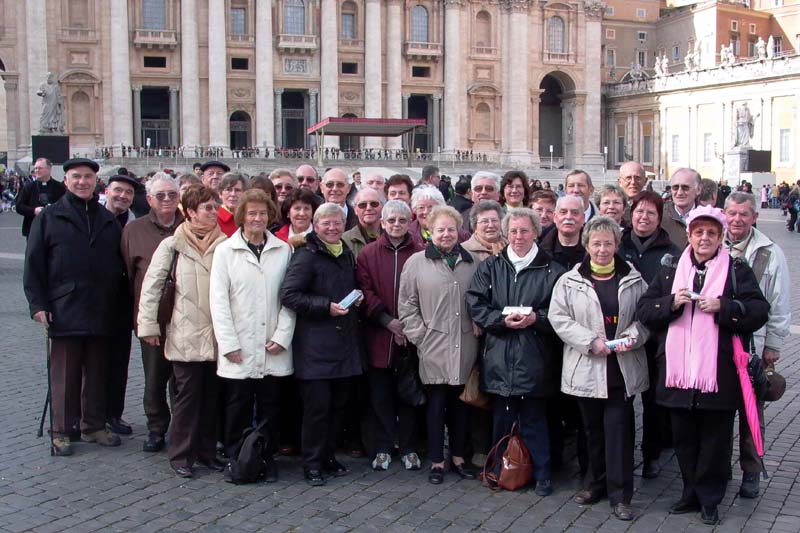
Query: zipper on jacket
[
  {"x": 394, "y": 296},
  {"x": 88, "y": 219}
]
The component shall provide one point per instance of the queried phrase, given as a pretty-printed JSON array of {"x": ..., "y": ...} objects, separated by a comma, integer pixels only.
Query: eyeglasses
[
  {"x": 677, "y": 188},
  {"x": 483, "y": 188},
  {"x": 515, "y": 187},
  {"x": 335, "y": 184},
  {"x": 161, "y": 196},
  {"x": 331, "y": 224},
  {"x": 284, "y": 187},
  {"x": 229, "y": 190},
  {"x": 397, "y": 220},
  {"x": 363, "y": 205},
  {"x": 487, "y": 221},
  {"x": 628, "y": 179},
  {"x": 306, "y": 179},
  {"x": 208, "y": 207}
]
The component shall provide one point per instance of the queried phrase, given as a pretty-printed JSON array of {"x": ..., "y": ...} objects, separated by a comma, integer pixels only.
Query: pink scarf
[{"x": 693, "y": 339}]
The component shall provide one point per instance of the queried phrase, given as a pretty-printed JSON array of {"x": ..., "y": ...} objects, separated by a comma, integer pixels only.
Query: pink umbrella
[{"x": 740, "y": 359}]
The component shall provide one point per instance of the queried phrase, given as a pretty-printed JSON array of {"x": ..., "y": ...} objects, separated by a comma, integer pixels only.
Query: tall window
[
  {"x": 676, "y": 145},
  {"x": 641, "y": 58},
  {"x": 348, "y": 26},
  {"x": 555, "y": 35},
  {"x": 419, "y": 24},
  {"x": 611, "y": 57},
  {"x": 483, "y": 121},
  {"x": 78, "y": 13},
  {"x": 621, "y": 143},
  {"x": 238, "y": 21},
  {"x": 708, "y": 147},
  {"x": 483, "y": 29},
  {"x": 80, "y": 112},
  {"x": 154, "y": 15},
  {"x": 785, "y": 149},
  {"x": 294, "y": 17},
  {"x": 647, "y": 142}
]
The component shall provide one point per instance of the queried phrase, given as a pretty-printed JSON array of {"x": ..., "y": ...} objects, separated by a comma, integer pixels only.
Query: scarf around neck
[
  {"x": 693, "y": 338},
  {"x": 493, "y": 247},
  {"x": 523, "y": 261},
  {"x": 201, "y": 237}
]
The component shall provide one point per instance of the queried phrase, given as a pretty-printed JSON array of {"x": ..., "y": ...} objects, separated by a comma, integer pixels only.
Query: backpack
[{"x": 249, "y": 465}]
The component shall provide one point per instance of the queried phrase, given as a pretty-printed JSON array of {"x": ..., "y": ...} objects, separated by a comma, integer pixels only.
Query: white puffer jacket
[{"x": 246, "y": 308}]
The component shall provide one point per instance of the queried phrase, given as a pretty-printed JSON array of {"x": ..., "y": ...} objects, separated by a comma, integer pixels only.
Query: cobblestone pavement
[{"x": 126, "y": 489}]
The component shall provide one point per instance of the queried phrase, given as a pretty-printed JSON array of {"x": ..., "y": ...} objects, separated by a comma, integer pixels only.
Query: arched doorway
[
  {"x": 349, "y": 142},
  {"x": 240, "y": 130},
  {"x": 550, "y": 118}
]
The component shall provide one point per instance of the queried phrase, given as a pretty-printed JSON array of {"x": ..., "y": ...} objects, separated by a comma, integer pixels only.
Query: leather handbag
[
  {"x": 166, "y": 304},
  {"x": 516, "y": 469},
  {"x": 472, "y": 393},
  {"x": 409, "y": 386},
  {"x": 776, "y": 385}
]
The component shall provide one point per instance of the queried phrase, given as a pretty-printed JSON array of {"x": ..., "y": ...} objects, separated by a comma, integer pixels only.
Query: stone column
[
  {"x": 592, "y": 156},
  {"x": 329, "y": 66},
  {"x": 278, "y": 118},
  {"x": 120, "y": 74},
  {"x": 657, "y": 144},
  {"x": 630, "y": 125},
  {"x": 517, "y": 73},
  {"x": 36, "y": 45},
  {"x": 373, "y": 77},
  {"x": 174, "y": 132},
  {"x": 394, "y": 66},
  {"x": 313, "y": 96},
  {"x": 217, "y": 76},
  {"x": 137, "y": 116},
  {"x": 406, "y": 96},
  {"x": 264, "y": 89},
  {"x": 452, "y": 75},
  {"x": 691, "y": 152},
  {"x": 436, "y": 122},
  {"x": 23, "y": 92},
  {"x": 190, "y": 76},
  {"x": 12, "y": 118},
  {"x": 533, "y": 114}
]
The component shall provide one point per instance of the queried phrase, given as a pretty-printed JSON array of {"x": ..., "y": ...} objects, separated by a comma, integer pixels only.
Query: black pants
[
  {"x": 394, "y": 419},
  {"x": 609, "y": 426},
  {"x": 563, "y": 416},
  {"x": 77, "y": 383},
  {"x": 655, "y": 418},
  {"x": 192, "y": 435},
  {"x": 157, "y": 379},
  {"x": 531, "y": 414},
  {"x": 119, "y": 356},
  {"x": 703, "y": 443},
  {"x": 290, "y": 412},
  {"x": 748, "y": 457},
  {"x": 445, "y": 407},
  {"x": 324, "y": 402},
  {"x": 240, "y": 397},
  {"x": 792, "y": 219}
]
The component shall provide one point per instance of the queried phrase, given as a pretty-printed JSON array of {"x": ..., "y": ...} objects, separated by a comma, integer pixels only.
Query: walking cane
[{"x": 47, "y": 400}]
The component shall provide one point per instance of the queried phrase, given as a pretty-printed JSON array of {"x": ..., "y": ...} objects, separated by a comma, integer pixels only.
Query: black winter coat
[
  {"x": 35, "y": 194},
  {"x": 324, "y": 347},
  {"x": 516, "y": 362},
  {"x": 74, "y": 269},
  {"x": 740, "y": 314},
  {"x": 648, "y": 260}
]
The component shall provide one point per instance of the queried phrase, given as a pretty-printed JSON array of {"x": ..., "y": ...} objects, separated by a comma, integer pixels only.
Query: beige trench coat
[
  {"x": 577, "y": 318},
  {"x": 433, "y": 311}
]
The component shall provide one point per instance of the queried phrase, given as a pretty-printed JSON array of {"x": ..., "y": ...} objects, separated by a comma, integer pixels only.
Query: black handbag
[
  {"x": 409, "y": 386},
  {"x": 166, "y": 304}
]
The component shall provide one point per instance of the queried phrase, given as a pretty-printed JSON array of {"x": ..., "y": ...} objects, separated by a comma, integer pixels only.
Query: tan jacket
[
  {"x": 675, "y": 226},
  {"x": 577, "y": 318},
  {"x": 478, "y": 250},
  {"x": 190, "y": 334},
  {"x": 432, "y": 308}
]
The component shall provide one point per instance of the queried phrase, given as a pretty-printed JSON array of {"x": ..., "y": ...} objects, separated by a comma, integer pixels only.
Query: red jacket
[
  {"x": 283, "y": 233},
  {"x": 226, "y": 222},
  {"x": 378, "y": 270}
]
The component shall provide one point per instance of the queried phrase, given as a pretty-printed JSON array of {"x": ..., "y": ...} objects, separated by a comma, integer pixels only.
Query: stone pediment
[{"x": 79, "y": 76}]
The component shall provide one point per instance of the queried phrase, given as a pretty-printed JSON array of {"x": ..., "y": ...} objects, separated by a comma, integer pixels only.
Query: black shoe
[
  {"x": 183, "y": 471},
  {"x": 709, "y": 515},
  {"x": 154, "y": 443},
  {"x": 750, "y": 485},
  {"x": 543, "y": 488},
  {"x": 356, "y": 452},
  {"x": 436, "y": 475},
  {"x": 212, "y": 464},
  {"x": 684, "y": 506},
  {"x": 650, "y": 469},
  {"x": 271, "y": 475},
  {"x": 587, "y": 497},
  {"x": 314, "y": 477},
  {"x": 119, "y": 426},
  {"x": 465, "y": 470},
  {"x": 623, "y": 511},
  {"x": 221, "y": 451},
  {"x": 332, "y": 466}
]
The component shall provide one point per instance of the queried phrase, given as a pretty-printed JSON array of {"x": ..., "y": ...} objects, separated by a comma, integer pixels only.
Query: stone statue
[
  {"x": 698, "y": 53},
  {"x": 665, "y": 65},
  {"x": 761, "y": 49},
  {"x": 659, "y": 70},
  {"x": 771, "y": 47},
  {"x": 688, "y": 61},
  {"x": 52, "y": 119},
  {"x": 745, "y": 124},
  {"x": 570, "y": 127}
]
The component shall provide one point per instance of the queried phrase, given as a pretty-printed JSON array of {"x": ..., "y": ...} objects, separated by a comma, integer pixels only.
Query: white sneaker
[
  {"x": 411, "y": 461},
  {"x": 381, "y": 461}
]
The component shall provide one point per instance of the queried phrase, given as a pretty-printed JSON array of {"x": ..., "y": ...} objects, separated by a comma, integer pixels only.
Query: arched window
[
  {"x": 483, "y": 121},
  {"x": 80, "y": 112},
  {"x": 294, "y": 17},
  {"x": 154, "y": 15},
  {"x": 555, "y": 35},
  {"x": 349, "y": 20},
  {"x": 419, "y": 24},
  {"x": 483, "y": 29}
]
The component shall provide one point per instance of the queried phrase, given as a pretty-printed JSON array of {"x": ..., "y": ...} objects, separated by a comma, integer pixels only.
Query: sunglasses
[
  {"x": 397, "y": 220},
  {"x": 482, "y": 188},
  {"x": 363, "y": 205},
  {"x": 161, "y": 196},
  {"x": 306, "y": 179},
  {"x": 335, "y": 184},
  {"x": 284, "y": 187},
  {"x": 680, "y": 187}
]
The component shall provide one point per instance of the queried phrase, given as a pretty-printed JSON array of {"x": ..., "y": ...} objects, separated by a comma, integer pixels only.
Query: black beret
[
  {"x": 81, "y": 161},
  {"x": 219, "y": 164},
  {"x": 126, "y": 179}
]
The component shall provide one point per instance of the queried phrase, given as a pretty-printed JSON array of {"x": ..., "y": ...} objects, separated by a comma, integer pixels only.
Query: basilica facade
[{"x": 517, "y": 79}]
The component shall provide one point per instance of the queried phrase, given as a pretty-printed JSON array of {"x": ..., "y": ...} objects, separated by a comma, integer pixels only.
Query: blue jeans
[{"x": 531, "y": 414}]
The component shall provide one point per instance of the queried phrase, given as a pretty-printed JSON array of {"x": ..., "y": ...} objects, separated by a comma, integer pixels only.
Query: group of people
[{"x": 565, "y": 307}]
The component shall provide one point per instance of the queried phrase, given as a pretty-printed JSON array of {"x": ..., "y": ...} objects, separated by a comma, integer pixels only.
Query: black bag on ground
[
  {"x": 249, "y": 465},
  {"x": 409, "y": 386}
]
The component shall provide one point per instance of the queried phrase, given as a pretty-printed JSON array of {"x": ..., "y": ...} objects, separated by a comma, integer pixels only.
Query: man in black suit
[{"x": 38, "y": 193}]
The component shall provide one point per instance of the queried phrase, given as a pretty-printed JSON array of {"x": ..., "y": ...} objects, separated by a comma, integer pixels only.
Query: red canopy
[{"x": 366, "y": 127}]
